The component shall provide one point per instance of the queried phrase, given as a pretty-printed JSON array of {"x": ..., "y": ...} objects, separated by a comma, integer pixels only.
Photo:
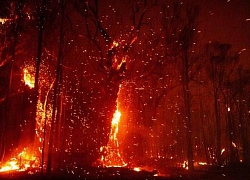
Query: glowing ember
[
  {"x": 29, "y": 80},
  {"x": 202, "y": 163},
  {"x": 185, "y": 165},
  {"x": 4, "y": 20},
  {"x": 115, "y": 44},
  {"x": 137, "y": 169},
  {"x": 223, "y": 150}
]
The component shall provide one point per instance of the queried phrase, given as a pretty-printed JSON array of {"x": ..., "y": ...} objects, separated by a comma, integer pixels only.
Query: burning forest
[{"x": 133, "y": 87}]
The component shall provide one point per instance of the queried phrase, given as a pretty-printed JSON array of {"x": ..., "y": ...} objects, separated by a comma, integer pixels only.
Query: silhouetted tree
[
  {"x": 186, "y": 40},
  {"x": 220, "y": 59},
  {"x": 8, "y": 57}
]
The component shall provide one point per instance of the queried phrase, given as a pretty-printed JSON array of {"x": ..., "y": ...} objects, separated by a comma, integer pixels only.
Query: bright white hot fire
[
  {"x": 115, "y": 123},
  {"x": 28, "y": 78},
  {"x": 20, "y": 162}
]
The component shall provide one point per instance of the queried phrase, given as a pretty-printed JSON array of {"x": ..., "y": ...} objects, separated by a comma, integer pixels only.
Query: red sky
[{"x": 227, "y": 21}]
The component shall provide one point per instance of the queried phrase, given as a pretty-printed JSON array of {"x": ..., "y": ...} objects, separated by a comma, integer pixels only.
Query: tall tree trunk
[
  {"x": 248, "y": 134},
  {"x": 243, "y": 130},
  {"x": 45, "y": 127},
  {"x": 38, "y": 63},
  {"x": 187, "y": 114},
  {"x": 56, "y": 89},
  {"x": 215, "y": 80},
  {"x": 243, "y": 122},
  {"x": 204, "y": 134},
  {"x": 218, "y": 127},
  {"x": 233, "y": 155}
]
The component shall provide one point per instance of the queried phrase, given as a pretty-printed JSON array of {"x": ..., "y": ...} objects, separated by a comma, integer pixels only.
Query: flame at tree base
[
  {"x": 111, "y": 157},
  {"x": 110, "y": 154}
]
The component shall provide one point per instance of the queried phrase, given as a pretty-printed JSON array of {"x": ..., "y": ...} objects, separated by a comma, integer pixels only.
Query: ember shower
[{"x": 63, "y": 64}]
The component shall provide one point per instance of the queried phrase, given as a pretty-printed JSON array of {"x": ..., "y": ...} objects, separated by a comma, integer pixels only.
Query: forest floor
[{"x": 201, "y": 173}]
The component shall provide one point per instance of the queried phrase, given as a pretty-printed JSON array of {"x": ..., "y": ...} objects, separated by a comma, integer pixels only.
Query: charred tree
[
  {"x": 241, "y": 108},
  {"x": 113, "y": 51},
  {"x": 186, "y": 39},
  {"x": 229, "y": 97},
  {"x": 220, "y": 62}
]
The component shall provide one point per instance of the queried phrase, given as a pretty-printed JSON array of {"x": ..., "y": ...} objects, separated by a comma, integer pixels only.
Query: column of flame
[
  {"x": 111, "y": 154},
  {"x": 28, "y": 79}
]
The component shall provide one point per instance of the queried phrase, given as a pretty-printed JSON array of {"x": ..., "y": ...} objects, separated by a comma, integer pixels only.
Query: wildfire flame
[
  {"x": 21, "y": 162},
  {"x": 10, "y": 165},
  {"x": 27, "y": 159},
  {"x": 115, "y": 123},
  {"x": 137, "y": 169},
  {"x": 111, "y": 156},
  {"x": 115, "y": 44},
  {"x": 110, "y": 153},
  {"x": 28, "y": 78},
  {"x": 4, "y": 20}
]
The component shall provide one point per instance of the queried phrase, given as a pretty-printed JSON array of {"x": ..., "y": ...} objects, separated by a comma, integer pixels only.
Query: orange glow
[
  {"x": 29, "y": 80},
  {"x": 223, "y": 150},
  {"x": 115, "y": 44},
  {"x": 121, "y": 63},
  {"x": 117, "y": 61}
]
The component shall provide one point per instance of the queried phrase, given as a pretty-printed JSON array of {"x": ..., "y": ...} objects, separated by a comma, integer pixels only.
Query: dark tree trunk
[
  {"x": 215, "y": 81},
  {"x": 187, "y": 114},
  {"x": 38, "y": 63},
  {"x": 204, "y": 134},
  {"x": 233, "y": 154},
  {"x": 243, "y": 130},
  {"x": 8, "y": 91},
  {"x": 56, "y": 90},
  {"x": 218, "y": 127}
]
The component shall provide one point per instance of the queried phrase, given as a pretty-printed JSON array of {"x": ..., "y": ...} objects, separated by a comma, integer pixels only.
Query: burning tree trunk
[
  {"x": 111, "y": 153},
  {"x": 113, "y": 54}
]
